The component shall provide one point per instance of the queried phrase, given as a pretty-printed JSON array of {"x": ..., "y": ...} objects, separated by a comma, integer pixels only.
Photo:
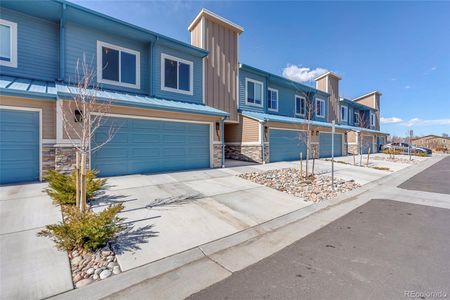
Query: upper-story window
[
  {"x": 344, "y": 113},
  {"x": 356, "y": 118},
  {"x": 253, "y": 92},
  {"x": 177, "y": 75},
  {"x": 300, "y": 106},
  {"x": 8, "y": 44},
  {"x": 372, "y": 119},
  {"x": 320, "y": 108},
  {"x": 272, "y": 99},
  {"x": 118, "y": 66}
]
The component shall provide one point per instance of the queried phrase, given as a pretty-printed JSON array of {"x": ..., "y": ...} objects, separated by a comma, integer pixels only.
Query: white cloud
[
  {"x": 390, "y": 120},
  {"x": 407, "y": 87},
  {"x": 433, "y": 68},
  {"x": 302, "y": 74},
  {"x": 420, "y": 122}
]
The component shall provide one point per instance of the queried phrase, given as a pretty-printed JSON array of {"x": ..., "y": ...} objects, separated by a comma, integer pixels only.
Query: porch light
[{"x": 78, "y": 116}]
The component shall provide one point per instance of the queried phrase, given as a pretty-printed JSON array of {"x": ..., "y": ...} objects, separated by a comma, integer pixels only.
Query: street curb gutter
[{"x": 225, "y": 251}]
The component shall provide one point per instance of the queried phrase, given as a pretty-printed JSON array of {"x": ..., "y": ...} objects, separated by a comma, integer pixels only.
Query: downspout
[
  {"x": 62, "y": 43},
  {"x": 222, "y": 138},
  {"x": 152, "y": 47},
  {"x": 263, "y": 146}
]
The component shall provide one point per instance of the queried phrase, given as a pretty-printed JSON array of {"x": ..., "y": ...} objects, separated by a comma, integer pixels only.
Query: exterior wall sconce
[{"x": 78, "y": 116}]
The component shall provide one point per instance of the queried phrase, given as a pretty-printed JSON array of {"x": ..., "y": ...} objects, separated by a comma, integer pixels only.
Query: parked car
[{"x": 404, "y": 148}]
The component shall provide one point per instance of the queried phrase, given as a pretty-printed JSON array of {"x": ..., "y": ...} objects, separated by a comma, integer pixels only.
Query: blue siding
[
  {"x": 37, "y": 47},
  {"x": 242, "y": 75},
  {"x": 19, "y": 151},
  {"x": 197, "y": 96},
  {"x": 325, "y": 145},
  {"x": 286, "y": 145},
  {"x": 147, "y": 146},
  {"x": 82, "y": 40}
]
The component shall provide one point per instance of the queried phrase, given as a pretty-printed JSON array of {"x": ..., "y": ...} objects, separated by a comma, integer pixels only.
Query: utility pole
[{"x": 332, "y": 154}]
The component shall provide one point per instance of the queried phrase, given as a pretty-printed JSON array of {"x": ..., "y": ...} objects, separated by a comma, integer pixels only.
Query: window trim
[
  {"x": 278, "y": 102},
  {"x": 100, "y": 79},
  {"x": 322, "y": 115},
  {"x": 13, "y": 44},
  {"x": 356, "y": 120},
  {"x": 163, "y": 75},
  {"x": 246, "y": 92},
  {"x": 372, "y": 118},
  {"x": 295, "y": 104},
  {"x": 345, "y": 107}
]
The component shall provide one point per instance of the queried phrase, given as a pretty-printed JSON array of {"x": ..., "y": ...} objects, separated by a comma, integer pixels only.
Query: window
[
  {"x": 344, "y": 113},
  {"x": 300, "y": 106},
  {"x": 356, "y": 118},
  {"x": 253, "y": 92},
  {"x": 118, "y": 66},
  {"x": 177, "y": 75},
  {"x": 320, "y": 108},
  {"x": 8, "y": 44},
  {"x": 272, "y": 99},
  {"x": 372, "y": 119}
]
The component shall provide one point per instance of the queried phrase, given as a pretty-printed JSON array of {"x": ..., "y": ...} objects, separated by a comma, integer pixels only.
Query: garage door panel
[
  {"x": 19, "y": 146},
  {"x": 325, "y": 143},
  {"x": 367, "y": 143},
  {"x": 147, "y": 146},
  {"x": 286, "y": 145}
]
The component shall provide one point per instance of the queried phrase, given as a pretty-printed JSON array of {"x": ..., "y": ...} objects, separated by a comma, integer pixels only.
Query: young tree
[
  {"x": 361, "y": 120},
  {"x": 82, "y": 116}
]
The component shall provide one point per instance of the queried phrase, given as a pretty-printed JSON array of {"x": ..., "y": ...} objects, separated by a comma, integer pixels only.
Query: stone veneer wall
[
  {"x": 353, "y": 148},
  {"x": 252, "y": 153},
  {"x": 48, "y": 158},
  {"x": 217, "y": 156},
  {"x": 64, "y": 159}
]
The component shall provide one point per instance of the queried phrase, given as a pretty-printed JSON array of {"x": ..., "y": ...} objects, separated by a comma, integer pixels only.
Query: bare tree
[
  {"x": 82, "y": 116},
  {"x": 362, "y": 122}
]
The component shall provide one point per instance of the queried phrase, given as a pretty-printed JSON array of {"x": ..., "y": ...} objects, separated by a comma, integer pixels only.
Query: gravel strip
[{"x": 289, "y": 180}]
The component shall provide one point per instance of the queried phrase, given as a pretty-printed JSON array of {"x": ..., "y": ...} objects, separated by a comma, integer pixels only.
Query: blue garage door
[
  {"x": 148, "y": 146},
  {"x": 367, "y": 143},
  {"x": 19, "y": 146},
  {"x": 285, "y": 145},
  {"x": 325, "y": 145}
]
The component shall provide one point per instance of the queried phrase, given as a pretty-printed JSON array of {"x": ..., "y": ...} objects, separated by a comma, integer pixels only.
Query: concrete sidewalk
[
  {"x": 30, "y": 266},
  {"x": 173, "y": 277}
]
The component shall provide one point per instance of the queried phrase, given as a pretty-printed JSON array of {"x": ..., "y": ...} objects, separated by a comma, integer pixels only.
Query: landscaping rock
[
  {"x": 105, "y": 274},
  {"x": 116, "y": 270},
  {"x": 289, "y": 180},
  {"x": 90, "y": 271},
  {"x": 76, "y": 260},
  {"x": 83, "y": 282}
]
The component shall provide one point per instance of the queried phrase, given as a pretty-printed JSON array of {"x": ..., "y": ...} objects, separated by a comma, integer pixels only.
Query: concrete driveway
[
  {"x": 30, "y": 266},
  {"x": 170, "y": 213}
]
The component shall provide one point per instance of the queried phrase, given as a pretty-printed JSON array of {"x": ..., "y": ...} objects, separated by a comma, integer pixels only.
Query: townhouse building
[{"x": 176, "y": 106}]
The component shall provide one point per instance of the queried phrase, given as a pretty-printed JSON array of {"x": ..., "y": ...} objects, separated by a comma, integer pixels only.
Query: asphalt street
[{"x": 384, "y": 249}]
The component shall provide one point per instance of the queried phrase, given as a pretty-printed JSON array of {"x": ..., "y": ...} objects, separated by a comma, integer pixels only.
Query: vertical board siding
[
  {"x": 82, "y": 41},
  {"x": 158, "y": 49},
  {"x": 37, "y": 47}
]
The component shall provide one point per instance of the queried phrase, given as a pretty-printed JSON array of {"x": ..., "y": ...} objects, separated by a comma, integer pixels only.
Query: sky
[{"x": 401, "y": 49}]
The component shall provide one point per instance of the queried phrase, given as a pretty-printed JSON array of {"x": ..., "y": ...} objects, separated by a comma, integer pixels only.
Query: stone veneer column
[
  {"x": 64, "y": 158},
  {"x": 252, "y": 153},
  {"x": 48, "y": 158},
  {"x": 217, "y": 156}
]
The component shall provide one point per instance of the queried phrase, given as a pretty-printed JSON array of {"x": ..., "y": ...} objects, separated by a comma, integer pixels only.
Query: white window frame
[
  {"x": 345, "y": 113},
  {"x": 372, "y": 119},
  {"x": 13, "y": 44},
  {"x": 100, "y": 79},
  {"x": 322, "y": 115},
  {"x": 304, "y": 106},
  {"x": 163, "y": 75},
  {"x": 246, "y": 92},
  {"x": 278, "y": 102}
]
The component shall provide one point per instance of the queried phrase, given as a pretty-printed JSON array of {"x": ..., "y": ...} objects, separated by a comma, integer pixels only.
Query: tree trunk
[
  {"x": 77, "y": 179},
  {"x": 83, "y": 181},
  {"x": 368, "y": 157}
]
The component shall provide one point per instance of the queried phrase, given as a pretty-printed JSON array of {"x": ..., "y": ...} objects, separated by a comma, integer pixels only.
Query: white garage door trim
[
  {"x": 211, "y": 132},
  {"x": 39, "y": 110}
]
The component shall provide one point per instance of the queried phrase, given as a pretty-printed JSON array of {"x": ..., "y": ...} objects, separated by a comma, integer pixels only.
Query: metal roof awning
[
  {"x": 262, "y": 117},
  {"x": 21, "y": 87}
]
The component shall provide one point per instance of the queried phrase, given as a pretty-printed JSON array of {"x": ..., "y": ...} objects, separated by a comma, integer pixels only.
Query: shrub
[
  {"x": 381, "y": 168},
  {"x": 85, "y": 230},
  {"x": 421, "y": 154},
  {"x": 392, "y": 152},
  {"x": 62, "y": 187}
]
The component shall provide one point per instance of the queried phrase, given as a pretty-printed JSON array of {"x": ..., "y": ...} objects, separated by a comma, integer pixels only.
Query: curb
[{"x": 133, "y": 277}]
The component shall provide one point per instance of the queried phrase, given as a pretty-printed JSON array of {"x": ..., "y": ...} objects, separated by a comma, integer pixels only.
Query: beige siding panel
[
  {"x": 196, "y": 36},
  {"x": 333, "y": 90},
  {"x": 221, "y": 67},
  {"x": 368, "y": 101},
  {"x": 130, "y": 111},
  {"x": 48, "y": 112},
  {"x": 322, "y": 84},
  {"x": 246, "y": 131}
]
